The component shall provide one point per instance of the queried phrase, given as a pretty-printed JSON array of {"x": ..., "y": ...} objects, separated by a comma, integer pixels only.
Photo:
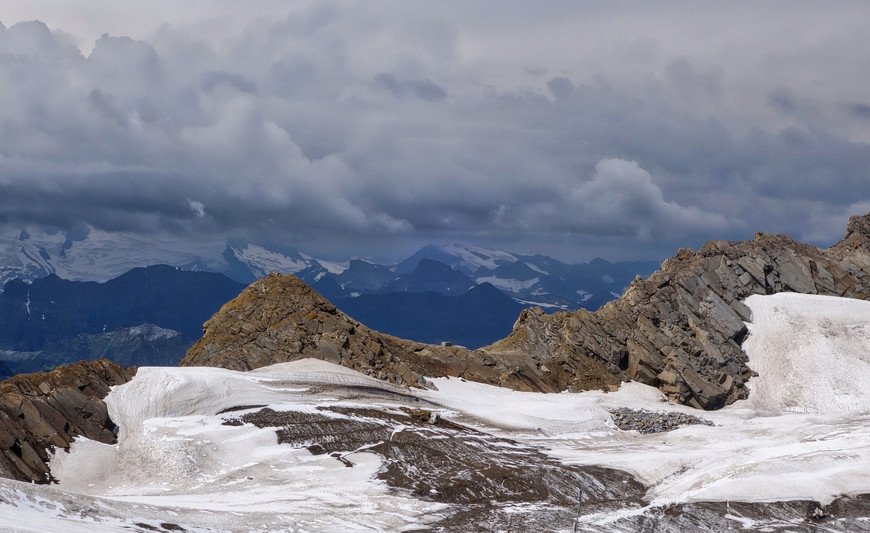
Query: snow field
[{"x": 804, "y": 433}]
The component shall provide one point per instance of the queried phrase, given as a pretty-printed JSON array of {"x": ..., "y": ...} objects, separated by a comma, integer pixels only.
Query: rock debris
[{"x": 647, "y": 422}]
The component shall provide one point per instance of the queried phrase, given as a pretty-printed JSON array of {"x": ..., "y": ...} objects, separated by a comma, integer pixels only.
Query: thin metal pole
[{"x": 579, "y": 504}]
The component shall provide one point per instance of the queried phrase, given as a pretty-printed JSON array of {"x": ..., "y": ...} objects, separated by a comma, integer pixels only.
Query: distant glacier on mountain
[
  {"x": 455, "y": 293},
  {"x": 94, "y": 255}
]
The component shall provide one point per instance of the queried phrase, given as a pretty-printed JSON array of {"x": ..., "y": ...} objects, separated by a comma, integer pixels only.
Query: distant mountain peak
[
  {"x": 465, "y": 258},
  {"x": 475, "y": 257},
  {"x": 430, "y": 275},
  {"x": 426, "y": 266}
]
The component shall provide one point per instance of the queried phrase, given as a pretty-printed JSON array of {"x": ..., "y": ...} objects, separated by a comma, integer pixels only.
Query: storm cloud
[{"x": 366, "y": 128}]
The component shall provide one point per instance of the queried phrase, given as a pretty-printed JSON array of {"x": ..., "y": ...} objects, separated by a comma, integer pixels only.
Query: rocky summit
[
  {"x": 680, "y": 329},
  {"x": 279, "y": 319}
]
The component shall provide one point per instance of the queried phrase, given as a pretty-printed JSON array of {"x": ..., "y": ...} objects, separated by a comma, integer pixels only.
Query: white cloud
[
  {"x": 620, "y": 200},
  {"x": 197, "y": 207},
  {"x": 389, "y": 224}
]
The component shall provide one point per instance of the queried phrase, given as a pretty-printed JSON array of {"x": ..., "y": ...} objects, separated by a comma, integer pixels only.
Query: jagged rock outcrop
[
  {"x": 280, "y": 318},
  {"x": 44, "y": 411},
  {"x": 681, "y": 329}
]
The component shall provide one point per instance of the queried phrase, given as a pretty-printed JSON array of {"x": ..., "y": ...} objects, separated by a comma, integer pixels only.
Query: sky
[{"x": 571, "y": 128}]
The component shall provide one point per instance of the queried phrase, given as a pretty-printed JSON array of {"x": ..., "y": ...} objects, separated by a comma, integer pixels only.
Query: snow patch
[
  {"x": 262, "y": 261},
  {"x": 812, "y": 353},
  {"x": 536, "y": 268},
  {"x": 543, "y": 305},
  {"x": 584, "y": 296},
  {"x": 510, "y": 285},
  {"x": 475, "y": 257}
]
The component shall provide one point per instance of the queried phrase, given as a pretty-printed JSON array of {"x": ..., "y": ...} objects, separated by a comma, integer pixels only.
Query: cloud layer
[{"x": 575, "y": 129}]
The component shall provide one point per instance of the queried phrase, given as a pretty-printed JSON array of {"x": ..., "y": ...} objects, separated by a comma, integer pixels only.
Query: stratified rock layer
[
  {"x": 47, "y": 410},
  {"x": 679, "y": 330}
]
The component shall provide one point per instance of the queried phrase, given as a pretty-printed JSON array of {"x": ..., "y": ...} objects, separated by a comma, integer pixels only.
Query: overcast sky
[{"x": 576, "y": 128}]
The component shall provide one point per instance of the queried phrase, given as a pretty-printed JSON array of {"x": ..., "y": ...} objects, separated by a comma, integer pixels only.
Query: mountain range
[
  {"x": 146, "y": 316},
  {"x": 726, "y": 391},
  {"x": 58, "y": 306},
  {"x": 88, "y": 254}
]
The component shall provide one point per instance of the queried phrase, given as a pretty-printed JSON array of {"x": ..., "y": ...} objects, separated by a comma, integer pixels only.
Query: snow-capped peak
[
  {"x": 262, "y": 261},
  {"x": 475, "y": 257}
]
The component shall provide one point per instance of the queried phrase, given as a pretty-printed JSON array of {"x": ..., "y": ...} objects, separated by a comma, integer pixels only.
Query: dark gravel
[{"x": 646, "y": 422}]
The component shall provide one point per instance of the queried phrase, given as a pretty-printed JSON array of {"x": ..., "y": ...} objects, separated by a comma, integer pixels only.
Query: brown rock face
[
  {"x": 279, "y": 319},
  {"x": 679, "y": 330},
  {"x": 47, "y": 410}
]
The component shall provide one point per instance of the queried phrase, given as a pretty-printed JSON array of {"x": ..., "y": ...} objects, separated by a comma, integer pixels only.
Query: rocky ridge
[
  {"x": 680, "y": 329},
  {"x": 44, "y": 411},
  {"x": 279, "y": 319}
]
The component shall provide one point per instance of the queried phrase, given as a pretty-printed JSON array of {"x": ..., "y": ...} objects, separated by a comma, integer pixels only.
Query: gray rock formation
[
  {"x": 679, "y": 330},
  {"x": 44, "y": 411}
]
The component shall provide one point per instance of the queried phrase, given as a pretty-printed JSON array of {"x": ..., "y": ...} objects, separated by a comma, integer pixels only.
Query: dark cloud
[
  {"x": 561, "y": 87},
  {"x": 358, "y": 131},
  {"x": 421, "y": 88},
  {"x": 212, "y": 79},
  {"x": 107, "y": 107},
  {"x": 782, "y": 100},
  {"x": 861, "y": 111}
]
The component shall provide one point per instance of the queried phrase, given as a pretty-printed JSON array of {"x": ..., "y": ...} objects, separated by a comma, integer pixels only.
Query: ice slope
[
  {"x": 174, "y": 453},
  {"x": 803, "y": 434},
  {"x": 812, "y": 354}
]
